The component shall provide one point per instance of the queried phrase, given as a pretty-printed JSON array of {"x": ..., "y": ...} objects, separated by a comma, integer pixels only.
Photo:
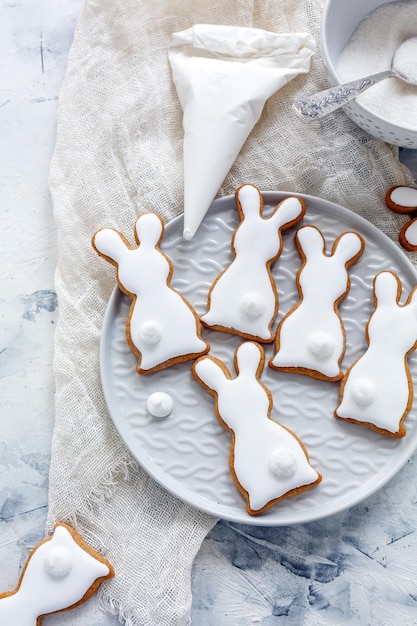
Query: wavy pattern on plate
[{"x": 188, "y": 452}]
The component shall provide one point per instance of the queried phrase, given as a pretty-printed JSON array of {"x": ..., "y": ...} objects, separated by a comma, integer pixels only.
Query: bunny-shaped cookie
[
  {"x": 268, "y": 462},
  {"x": 310, "y": 338},
  {"x": 162, "y": 327},
  {"x": 377, "y": 390},
  {"x": 60, "y": 573},
  {"x": 243, "y": 299}
]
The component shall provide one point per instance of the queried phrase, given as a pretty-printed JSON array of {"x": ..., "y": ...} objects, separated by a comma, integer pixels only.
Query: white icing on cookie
[
  {"x": 260, "y": 443},
  {"x": 404, "y": 197},
  {"x": 160, "y": 404},
  {"x": 58, "y": 574},
  {"x": 409, "y": 234},
  {"x": 282, "y": 462},
  {"x": 322, "y": 345},
  {"x": 363, "y": 391},
  {"x": 376, "y": 389},
  {"x": 162, "y": 328},
  {"x": 257, "y": 242},
  {"x": 253, "y": 304},
  {"x": 310, "y": 338},
  {"x": 58, "y": 561},
  {"x": 150, "y": 332}
]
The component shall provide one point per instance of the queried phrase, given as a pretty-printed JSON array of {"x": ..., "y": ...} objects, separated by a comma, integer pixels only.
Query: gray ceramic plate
[{"x": 188, "y": 452}]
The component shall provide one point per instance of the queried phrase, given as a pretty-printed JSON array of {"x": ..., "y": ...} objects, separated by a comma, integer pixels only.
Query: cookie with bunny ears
[
  {"x": 61, "y": 572},
  {"x": 268, "y": 462},
  {"x": 243, "y": 299},
  {"x": 162, "y": 327},
  {"x": 310, "y": 338},
  {"x": 377, "y": 390}
]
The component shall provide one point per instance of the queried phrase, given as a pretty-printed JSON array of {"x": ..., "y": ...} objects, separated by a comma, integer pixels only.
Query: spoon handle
[{"x": 324, "y": 102}]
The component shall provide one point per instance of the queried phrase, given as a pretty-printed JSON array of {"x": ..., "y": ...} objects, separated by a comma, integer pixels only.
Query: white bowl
[{"x": 339, "y": 20}]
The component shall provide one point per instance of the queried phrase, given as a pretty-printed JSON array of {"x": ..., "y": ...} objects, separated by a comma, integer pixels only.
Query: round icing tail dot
[
  {"x": 150, "y": 332},
  {"x": 253, "y": 305},
  {"x": 282, "y": 463},
  {"x": 363, "y": 391},
  {"x": 321, "y": 345},
  {"x": 58, "y": 561},
  {"x": 160, "y": 404}
]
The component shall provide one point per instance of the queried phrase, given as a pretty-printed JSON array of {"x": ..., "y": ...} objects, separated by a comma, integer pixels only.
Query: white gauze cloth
[{"x": 119, "y": 153}]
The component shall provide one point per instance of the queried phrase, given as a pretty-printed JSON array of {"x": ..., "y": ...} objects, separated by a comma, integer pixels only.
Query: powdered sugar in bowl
[
  {"x": 406, "y": 62},
  {"x": 360, "y": 38}
]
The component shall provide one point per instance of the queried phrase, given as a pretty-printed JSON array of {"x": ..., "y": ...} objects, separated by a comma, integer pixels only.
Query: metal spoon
[{"x": 324, "y": 102}]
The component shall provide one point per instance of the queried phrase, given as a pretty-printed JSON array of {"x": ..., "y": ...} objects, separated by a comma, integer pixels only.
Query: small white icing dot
[
  {"x": 282, "y": 462},
  {"x": 58, "y": 561},
  {"x": 363, "y": 391},
  {"x": 253, "y": 305},
  {"x": 321, "y": 345},
  {"x": 150, "y": 332},
  {"x": 160, "y": 404}
]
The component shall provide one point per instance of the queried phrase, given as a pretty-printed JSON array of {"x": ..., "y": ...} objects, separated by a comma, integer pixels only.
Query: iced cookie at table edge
[
  {"x": 408, "y": 235},
  {"x": 267, "y": 461},
  {"x": 162, "y": 328},
  {"x": 243, "y": 299},
  {"x": 377, "y": 390},
  {"x": 310, "y": 338},
  {"x": 401, "y": 199},
  {"x": 61, "y": 572}
]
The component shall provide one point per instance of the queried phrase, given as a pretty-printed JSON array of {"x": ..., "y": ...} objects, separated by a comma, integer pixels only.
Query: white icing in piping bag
[{"x": 223, "y": 76}]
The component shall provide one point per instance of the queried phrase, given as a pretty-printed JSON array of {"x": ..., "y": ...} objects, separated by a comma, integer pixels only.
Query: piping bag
[{"x": 223, "y": 76}]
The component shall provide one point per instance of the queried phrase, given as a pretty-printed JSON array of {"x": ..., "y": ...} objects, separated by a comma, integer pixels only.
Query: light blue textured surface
[{"x": 358, "y": 567}]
